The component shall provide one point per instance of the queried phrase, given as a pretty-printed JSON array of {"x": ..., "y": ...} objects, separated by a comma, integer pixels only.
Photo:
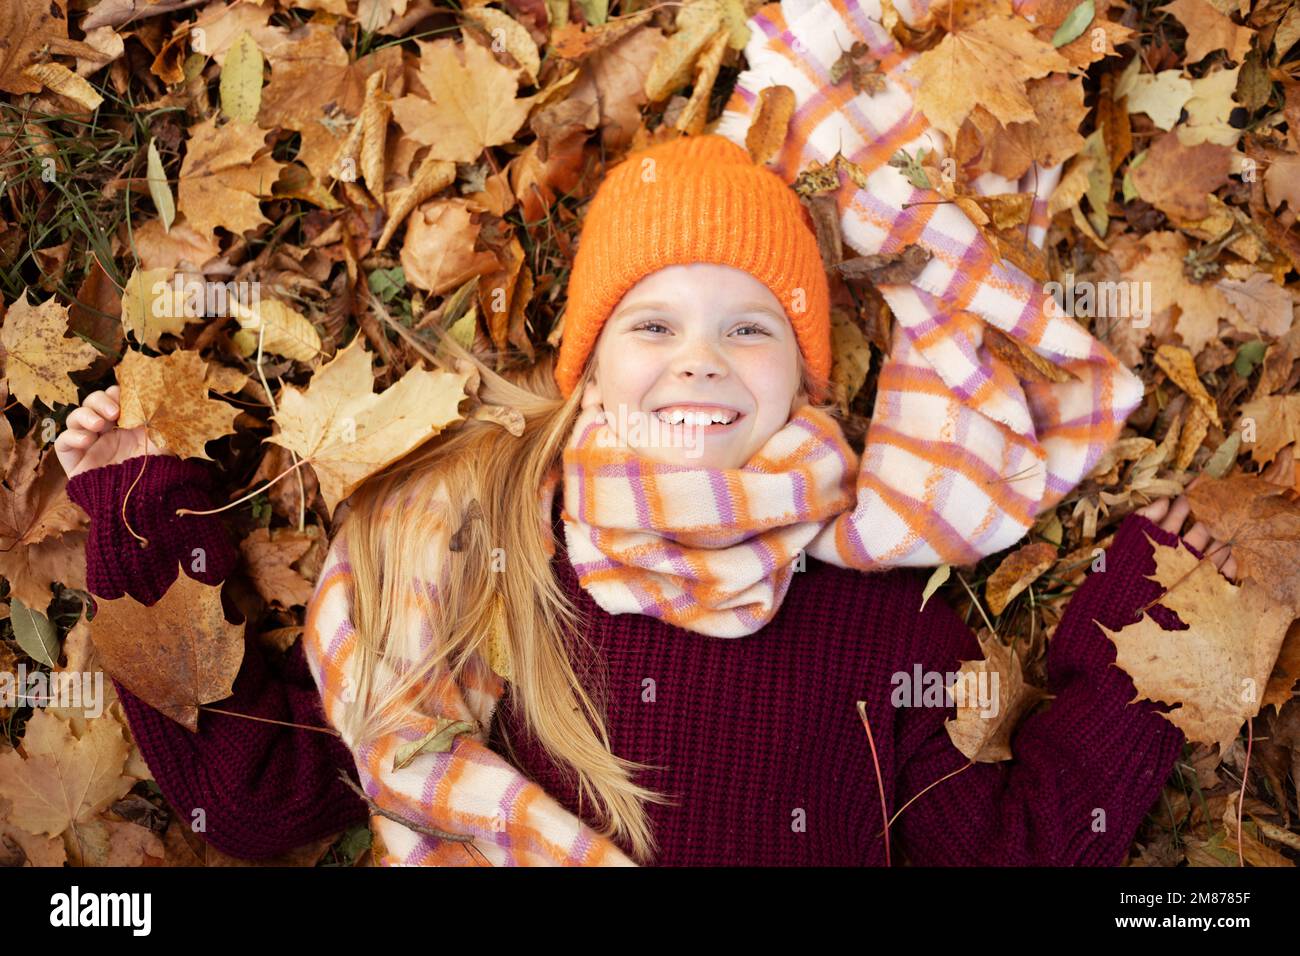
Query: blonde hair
[{"x": 388, "y": 529}]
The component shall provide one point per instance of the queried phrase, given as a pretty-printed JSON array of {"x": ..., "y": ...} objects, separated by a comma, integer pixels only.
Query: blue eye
[
  {"x": 647, "y": 325},
  {"x": 753, "y": 325}
]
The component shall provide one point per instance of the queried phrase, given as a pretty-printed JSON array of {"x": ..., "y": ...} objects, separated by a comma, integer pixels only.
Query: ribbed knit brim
[{"x": 695, "y": 199}]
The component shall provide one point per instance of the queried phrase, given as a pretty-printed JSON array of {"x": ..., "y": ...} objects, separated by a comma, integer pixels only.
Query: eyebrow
[{"x": 749, "y": 308}]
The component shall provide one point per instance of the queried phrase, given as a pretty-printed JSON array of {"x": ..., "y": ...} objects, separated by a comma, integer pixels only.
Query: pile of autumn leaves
[{"x": 431, "y": 140}]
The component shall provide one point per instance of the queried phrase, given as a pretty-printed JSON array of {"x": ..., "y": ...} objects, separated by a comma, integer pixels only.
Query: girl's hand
[
  {"x": 1171, "y": 518},
  {"x": 93, "y": 440}
]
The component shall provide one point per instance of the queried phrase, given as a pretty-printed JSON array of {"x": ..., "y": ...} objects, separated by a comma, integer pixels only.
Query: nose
[{"x": 699, "y": 360}]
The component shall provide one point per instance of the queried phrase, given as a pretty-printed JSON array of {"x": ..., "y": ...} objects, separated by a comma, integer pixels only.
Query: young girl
[
  {"x": 628, "y": 636},
  {"x": 671, "y": 689}
]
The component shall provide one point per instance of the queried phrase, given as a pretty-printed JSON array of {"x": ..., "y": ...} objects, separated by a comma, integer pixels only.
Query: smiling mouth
[{"x": 709, "y": 419}]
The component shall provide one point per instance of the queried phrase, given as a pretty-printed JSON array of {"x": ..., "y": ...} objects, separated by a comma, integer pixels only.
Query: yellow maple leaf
[
  {"x": 348, "y": 432},
  {"x": 471, "y": 103},
  {"x": 169, "y": 395},
  {"x": 222, "y": 177},
  {"x": 38, "y": 357},
  {"x": 65, "y": 780},
  {"x": 986, "y": 63},
  {"x": 1214, "y": 672}
]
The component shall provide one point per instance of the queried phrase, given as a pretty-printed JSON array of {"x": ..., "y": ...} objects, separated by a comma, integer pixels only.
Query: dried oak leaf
[
  {"x": 37, "y": 355},
  {"x": 169, "y": 395},
  {"x": 348, "y": 432},
  {"x": 1214, "y": 672},
  {"x": 224, "y": 172},
  {"x": 175, "y": 654},
  {"x": 1261, "y": 524}
]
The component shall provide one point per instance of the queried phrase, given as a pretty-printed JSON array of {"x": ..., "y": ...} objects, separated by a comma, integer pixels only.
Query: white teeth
[{"x": 691, "y": 417}]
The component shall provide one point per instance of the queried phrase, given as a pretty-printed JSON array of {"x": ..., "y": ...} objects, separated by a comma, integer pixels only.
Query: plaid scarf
[{"x": 711, "y": 550}]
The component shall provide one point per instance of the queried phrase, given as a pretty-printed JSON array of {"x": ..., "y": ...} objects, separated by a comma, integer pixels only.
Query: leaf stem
[{"x": 251, "y": 494}]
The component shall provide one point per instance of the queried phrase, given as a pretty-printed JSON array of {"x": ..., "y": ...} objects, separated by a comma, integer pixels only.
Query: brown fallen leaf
[
  {"x": 148, "y": 315},
  {"x": 470, "y": 105},
  {"x": 175, "y": 654},
  {"x": 1215, "y": 672},
  {"x": 226, "y": 171},
  {"x": 42, "y": 532},
  {"x": 37, "y": 355},
  {"x": 270, "y": 556},
  {"x": 1180, "y": 366},
  {"x": 1261, "y": 524},
  {"x": 61, "y": 781},
  {"x": 347, "y": 432},
  {"x": 1274, "y": 423},
  {"x": 438, "y": 252},
  {"x": 1177, "y": 179},
  {"x": 169, "y": 395},
  {"x": 1017, "y": 571},
  {"x": 987, "y": 63},
  {"x": 995, "y": 698}
]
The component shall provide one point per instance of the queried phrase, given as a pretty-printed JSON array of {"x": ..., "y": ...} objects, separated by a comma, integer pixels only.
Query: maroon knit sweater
[{"x": 765, "y": 750}]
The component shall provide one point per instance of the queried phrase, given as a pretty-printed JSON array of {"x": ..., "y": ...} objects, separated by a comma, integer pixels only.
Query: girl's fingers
[
  {"x": 1178, "y": 512},
  {"x": 87, "y": 419},
  {"x": 1156, "y": 510},
  {"x": 1198, "y": 537},
  {"x": 1218, "y": 552},
  {"x": 1229, "y": 568},
  {"x": 102, "y": 403}
]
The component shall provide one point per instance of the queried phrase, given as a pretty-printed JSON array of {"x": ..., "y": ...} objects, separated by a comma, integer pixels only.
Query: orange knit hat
[{"x": 695, "y": 199}]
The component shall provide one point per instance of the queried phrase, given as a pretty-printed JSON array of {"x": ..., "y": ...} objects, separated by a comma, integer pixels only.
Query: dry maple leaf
[
  {"x": 269, "y": 556},
  {"x": 347, "y": 432},
  {"x": 1157, "y": 258},
  {"x": 1276, "y": 419},
  {"x": 471, "y": 103},
  {"x": 169, "y": 395},
  {"x": 986, "y": 63},
  {"x": 1215, "y": 672},
  {"x": 65, "y": 781},
  {"x": 1209, "y": 30},
  {"x": 175, "y": 654},
  {"x": 991, "y": 697},
  {"x": 223, "y": 175},
  {"x": 38, "y": 357},
  {"x": 42, "y": 532},
  {"x": 1261, "y": 524}
]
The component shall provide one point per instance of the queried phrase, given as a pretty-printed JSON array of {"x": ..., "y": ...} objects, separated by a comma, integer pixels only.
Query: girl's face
[{"x": 705, "y": 339}]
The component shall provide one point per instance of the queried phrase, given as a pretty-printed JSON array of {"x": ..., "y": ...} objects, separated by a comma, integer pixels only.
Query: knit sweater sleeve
[
  {"x": 496, "y": 815},
  {"x": 253, "y": 789},
  {"x": 1085, "y": 771}
]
